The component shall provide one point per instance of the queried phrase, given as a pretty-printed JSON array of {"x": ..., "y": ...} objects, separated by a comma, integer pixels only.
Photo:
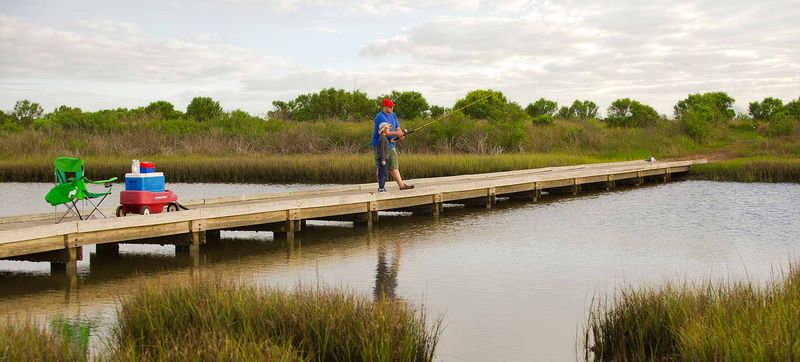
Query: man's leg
[{"x": 396, "y": 176}]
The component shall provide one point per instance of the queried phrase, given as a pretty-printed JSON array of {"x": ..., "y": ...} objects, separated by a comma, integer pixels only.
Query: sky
[{"x": 99, "y": 54}]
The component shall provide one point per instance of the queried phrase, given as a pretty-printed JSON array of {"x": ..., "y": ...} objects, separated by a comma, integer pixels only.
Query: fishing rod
[{"x": 408, "y": 132}]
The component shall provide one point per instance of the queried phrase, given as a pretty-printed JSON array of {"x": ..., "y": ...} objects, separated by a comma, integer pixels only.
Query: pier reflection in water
[{"x": 513, "y": 283}]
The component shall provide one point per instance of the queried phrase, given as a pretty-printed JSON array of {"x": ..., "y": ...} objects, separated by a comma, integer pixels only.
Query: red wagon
[{"x": 146, "y": 202}]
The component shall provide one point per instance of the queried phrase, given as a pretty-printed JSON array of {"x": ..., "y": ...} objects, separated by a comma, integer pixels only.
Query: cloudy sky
[{"x": 246, "y": 53}]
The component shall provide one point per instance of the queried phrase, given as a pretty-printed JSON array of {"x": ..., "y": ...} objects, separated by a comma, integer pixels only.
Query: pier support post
[
  {"x": 667, "y": 175},
  {"x": 288, "y": 230},
  {"x": 639, "y": 179},
  {"x": 68, "y": 267},
  {"x": 576, "y": 187},
  {"x": 491, "y": 198},
  {"x": 610, "y": 184}
]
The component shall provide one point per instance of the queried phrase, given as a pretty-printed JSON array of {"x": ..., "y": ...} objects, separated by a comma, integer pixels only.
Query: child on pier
[{"x": 382, "y": 155}]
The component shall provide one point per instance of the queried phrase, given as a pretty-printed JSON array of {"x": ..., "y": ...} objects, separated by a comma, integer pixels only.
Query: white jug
[{"x": 135, "y": 166}]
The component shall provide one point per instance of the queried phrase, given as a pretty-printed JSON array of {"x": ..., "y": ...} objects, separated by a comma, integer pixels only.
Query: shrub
[
  {"x": 627, "y": 112},
  {"x": 26, "y": 111},
  {"x": 544, "y": 119},
  {"x": 697, "y": 123},
  {"x": 718, "y": 104},
  {"x": 489, "y": 104},
  {"x": 766, "y": 109},
  {"x": 203, "y": 109},
  {"x": 542, "y": 107},
  {"x": 782, "y": 125}
]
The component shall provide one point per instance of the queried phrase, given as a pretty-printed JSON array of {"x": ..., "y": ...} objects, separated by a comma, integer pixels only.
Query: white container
[{"x": 135, "y": 166}]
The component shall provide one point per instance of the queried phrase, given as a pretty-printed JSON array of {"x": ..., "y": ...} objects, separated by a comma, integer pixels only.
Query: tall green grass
[
  {"x": 221, "y": 321},
  {"x": 261, "y": 168},
  {"x": 218, "y": 321},
  {"x": 730, "y": 322},
  {"x": 755, "y": 169},
  {"x": 26, "y": 341}
]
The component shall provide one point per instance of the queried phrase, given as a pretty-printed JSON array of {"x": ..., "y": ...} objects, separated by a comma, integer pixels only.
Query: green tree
[
  {"x": 407, "y": 105},
  {"x": 783, "y": 124},
  {"x": 697, "y": 121},
  {"x": 542, "y": 107},
  {"x": 438, "y": 111},
  {"x": 26, "y": 111},
  {"x": 628, "y": 112},
  {"x": 203, "y": 109},
  {"x": 326, "y": 104},
  {"x": 720, "y": 104},
  {"x": 766, "y": 109},
  {"x": 67, "y": 117},
  {"x": 793, "y": 109},
  {"x": 583, "y": 110},
  {"x": 162, "y": 110},
  {"x": 489, "y": 104},
  {"x": 563, "y": 113}
]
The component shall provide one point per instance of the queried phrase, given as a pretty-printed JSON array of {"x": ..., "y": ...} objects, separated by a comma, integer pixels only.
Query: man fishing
[{"x": 395, "y": 133}]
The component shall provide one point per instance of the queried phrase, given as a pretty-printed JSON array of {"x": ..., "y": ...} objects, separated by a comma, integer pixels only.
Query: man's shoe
[
  {"x": 407, "y": 187},
  {"x": 381, "y": 190}
]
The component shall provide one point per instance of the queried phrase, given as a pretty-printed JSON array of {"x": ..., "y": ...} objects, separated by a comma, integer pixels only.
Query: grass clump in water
[
  {"x": 737, "y": 321},
  {"x": 219, "y": 321},
  {"x": 757, "y": 169},
  {"x": 26, "y": 341}
]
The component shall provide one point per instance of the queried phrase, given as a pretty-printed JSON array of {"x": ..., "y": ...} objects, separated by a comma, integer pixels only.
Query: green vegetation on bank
[
  {"x": 327, "y": 135},
  {"x": 724, "y": 322},
  {"x": 219, "y": 321},
  {"x": 348, "y": 169}
]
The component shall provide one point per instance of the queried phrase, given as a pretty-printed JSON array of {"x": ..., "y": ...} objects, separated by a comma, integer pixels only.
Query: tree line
[{"x": 698, "y": 114}]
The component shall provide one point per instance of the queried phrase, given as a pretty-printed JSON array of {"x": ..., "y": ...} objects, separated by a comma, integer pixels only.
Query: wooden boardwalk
[{"x": 35, "y": 237}]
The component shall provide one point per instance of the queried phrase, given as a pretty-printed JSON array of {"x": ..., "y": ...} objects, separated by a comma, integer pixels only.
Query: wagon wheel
[
  {"x": 121, "y": 211},
  {"x": 172, "y": 207},
  {"x": 145, "y": 210}
]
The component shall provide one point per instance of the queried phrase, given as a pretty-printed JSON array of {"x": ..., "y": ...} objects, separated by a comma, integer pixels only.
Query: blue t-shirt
[{"x": 391, "y": 119}]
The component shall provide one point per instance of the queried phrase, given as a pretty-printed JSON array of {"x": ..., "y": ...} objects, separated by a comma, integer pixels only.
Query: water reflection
[
  {"x": 386, "y": 272},
  {"x": 513, "y": 283}
]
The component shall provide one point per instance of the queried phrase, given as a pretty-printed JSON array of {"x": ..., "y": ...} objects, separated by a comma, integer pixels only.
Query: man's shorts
[{"x": 392, "y": 164}]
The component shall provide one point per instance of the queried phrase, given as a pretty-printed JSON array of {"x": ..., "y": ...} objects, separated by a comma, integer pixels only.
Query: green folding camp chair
[{"x": 71, "y": 188}]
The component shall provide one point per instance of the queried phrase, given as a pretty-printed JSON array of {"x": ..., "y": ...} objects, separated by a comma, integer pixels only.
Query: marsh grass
[
  {"x": 223, "y": 321},
  {"x": 728, "y": 321},
  {"x": 27, "y": 341},
  {"x": 259, "y": 168},
  {"x": 754, "y": 169}
]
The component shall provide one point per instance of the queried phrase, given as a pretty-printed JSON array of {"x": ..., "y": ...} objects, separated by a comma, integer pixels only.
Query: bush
[
  {"x": 162, "y": 110},
  {"x": 544, "y": 120},
  {"x": 542, "y": 107},
  {"x": 490, "y": 104},
  {"x": 782, "y": 125},
  {"x": 26, "y": 111},
  {"x": 718, "y": 104},
  {"x": 697, "y": 124},
  {"x": 766, "y": 109},
  {"x": 327, "y": 104},
  {"x": 203, "y": 109},
  {"x": 627, "y": 112}
]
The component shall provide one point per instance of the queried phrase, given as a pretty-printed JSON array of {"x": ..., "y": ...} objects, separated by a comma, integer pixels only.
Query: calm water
[{"x": 512, "y": 283}]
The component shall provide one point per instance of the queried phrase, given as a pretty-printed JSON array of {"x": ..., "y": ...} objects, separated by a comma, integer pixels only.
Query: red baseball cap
[{"x": 387, "y": 103}]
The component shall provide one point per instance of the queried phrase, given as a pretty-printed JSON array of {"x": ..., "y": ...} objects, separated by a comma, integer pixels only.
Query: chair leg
[
  {"x": 96, "y": 207},
  {"x": 71, "y": 208}
]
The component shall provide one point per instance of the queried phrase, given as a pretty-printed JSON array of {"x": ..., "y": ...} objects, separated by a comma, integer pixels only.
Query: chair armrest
[{"x": 100, "y": 181}]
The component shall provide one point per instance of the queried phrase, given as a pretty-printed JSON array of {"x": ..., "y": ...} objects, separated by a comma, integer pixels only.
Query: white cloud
[{"x": 656, "y": 52}]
